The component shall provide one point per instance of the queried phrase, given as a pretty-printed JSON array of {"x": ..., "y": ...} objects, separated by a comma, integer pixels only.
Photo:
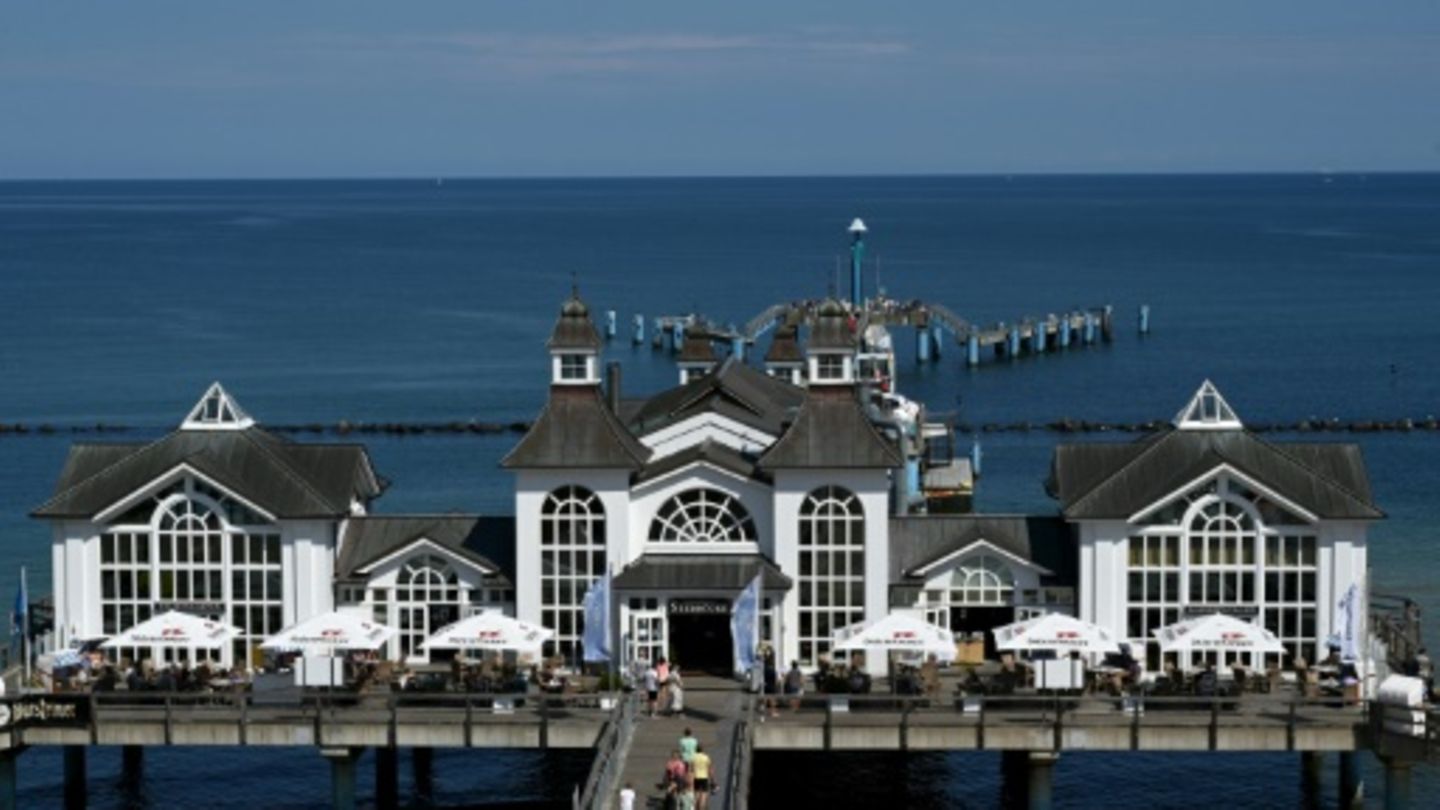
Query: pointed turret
[
  {"x": 574, "y": 345},
  {"x": 831, "y": 351},
  {"x": 216, "y": 410},
  {"x": 1207, "y": 410},
  {"x": 784, "y": 360},
  {"x": 696, "y": 359}
]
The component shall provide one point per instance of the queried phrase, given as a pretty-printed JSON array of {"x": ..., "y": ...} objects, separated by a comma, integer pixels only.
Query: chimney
[{"x": 612, "y": 385}]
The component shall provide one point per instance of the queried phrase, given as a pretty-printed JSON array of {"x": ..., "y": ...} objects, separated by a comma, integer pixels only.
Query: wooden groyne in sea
[{"x": 1428, "y": 424}]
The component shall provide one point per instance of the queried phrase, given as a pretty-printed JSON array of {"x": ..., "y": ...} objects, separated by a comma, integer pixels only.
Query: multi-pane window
[
  {"x": 1290, "y": 574},
  {"x": 574, "y": 367},
  {"x": 427, "y": 597},
  {"x": 125, "y": 598},
  {"x": 1222, "y": 555},
  {"x": 702, "y": 516},
  {"x": 256, "y": 592},
  {"x": 983, "y": 580},
  {"x": 572, "y": 555},
  {"x": 1152, "y": 587},
  {"x": 830, "y": 367},
  {"x": 832, "y": 568},
  {"x": 191, "y": 552}
]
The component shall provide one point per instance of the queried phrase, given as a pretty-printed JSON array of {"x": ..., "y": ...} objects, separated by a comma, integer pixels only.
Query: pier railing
[{"x": 610, "y": 751}]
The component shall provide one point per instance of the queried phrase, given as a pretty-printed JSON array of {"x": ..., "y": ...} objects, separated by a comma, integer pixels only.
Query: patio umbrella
[
  {"x": 898, "y": 632},
  {"x": 328, "y": 632},
  {"x": 1056, "y": 632},
  {"x": 490, "y": 630},
  {"x": 176, "y": 630},
  {"x": 1217, "y": 632}
]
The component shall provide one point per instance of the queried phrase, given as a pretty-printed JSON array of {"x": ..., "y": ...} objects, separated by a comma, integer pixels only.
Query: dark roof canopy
[
  {"x": 574, "y": 329},
  {"x": 734, "y": 390},
  {"x": 722, "y": 573},
  {"x": 697, "y": 349},
  {"x": 487, "y": 541},
  {"x": 833, "y": 330},
  {"x": 785, "y": 347},
  {"x": 831, "y": 431},
  {"x": 916, "y": 541},
  {"x": 1098, "y": 481},
  {"x": 287, "y": 479},
  {"x": 577, "y": 429}
]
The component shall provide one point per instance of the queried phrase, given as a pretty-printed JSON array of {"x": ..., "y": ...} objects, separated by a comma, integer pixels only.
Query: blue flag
[
  {"x": 745, "y": 627},
  {"x": 596, "y": 640},
  {"x": 21, "y": 616}
]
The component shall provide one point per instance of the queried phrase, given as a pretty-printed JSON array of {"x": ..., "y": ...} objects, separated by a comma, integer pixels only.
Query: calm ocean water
[{"x": 318, "y": 301}]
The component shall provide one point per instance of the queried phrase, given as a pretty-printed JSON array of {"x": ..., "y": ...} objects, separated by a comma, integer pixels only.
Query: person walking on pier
[
  {"x": 688, "y": 746},
  {"x": 700, "y": 769},
  {"x": 627, "y": 797},
  {"x": 652, "y": 687},
  {"x": 795, "y": 685}
]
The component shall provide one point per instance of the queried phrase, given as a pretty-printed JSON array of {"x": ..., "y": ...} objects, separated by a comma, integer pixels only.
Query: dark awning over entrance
[{"x": 699, "y": 572}]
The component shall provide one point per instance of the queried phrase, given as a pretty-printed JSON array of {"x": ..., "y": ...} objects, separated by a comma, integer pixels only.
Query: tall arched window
[
  {"x": 427, "y": 596},
  {"x": 832, "y": 568},
  {"x": 702, "y": 516},
  {"x": 572, "y": 555}
]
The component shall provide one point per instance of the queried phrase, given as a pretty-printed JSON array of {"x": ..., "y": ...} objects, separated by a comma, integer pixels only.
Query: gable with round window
[{"x": 702, "y": 516}]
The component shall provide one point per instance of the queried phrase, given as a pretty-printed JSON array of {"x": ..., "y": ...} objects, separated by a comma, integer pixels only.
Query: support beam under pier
[
  {"x": 132, "y": 763},
  {"x": 1397, "y": 783},
  {"x": 342, "y": 776},
  {"x": 1312, "y": 771},
  {"x": 422, "y": 761},
  {"x": 1040, "y": 780},
  {"x": 75, "y": 788},
  {"x": 1352, "y": 787},
  {"x": 8, "y": 777},
  {"x": 387, "y": 778}
]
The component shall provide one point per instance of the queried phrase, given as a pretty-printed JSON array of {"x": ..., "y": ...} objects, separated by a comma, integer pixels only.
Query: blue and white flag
[
  {"x": 596, "y": 640},
  {"x": 745, "y": 626},
  {"x": 1347, "y": 620}
]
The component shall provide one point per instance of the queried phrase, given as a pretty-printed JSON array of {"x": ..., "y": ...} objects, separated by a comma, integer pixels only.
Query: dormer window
[
  {"x": 831, "y": 368},
  {"x": 574, "y": 368}
]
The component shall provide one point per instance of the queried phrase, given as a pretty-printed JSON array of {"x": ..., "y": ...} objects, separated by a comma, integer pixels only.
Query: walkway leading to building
[{"x": 714, "y": 707}]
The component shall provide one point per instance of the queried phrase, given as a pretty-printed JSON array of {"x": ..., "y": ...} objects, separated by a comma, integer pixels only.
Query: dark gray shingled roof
[
  {"x": 832, "y": 329},
  {"x": 574, "y": 329},
  {"x": 785, "y": 348},
  {"x": 487, "y": 540},
  {"x": 1046, "y": 541},
  {"x": 734, "y": 390},
  {"x": 285, "y": 478},
  {"x": 726, "y": 573},
  {"x": 697, "y": 349},
  {"x": 720, "y": 455},
  {"x": 831, "y": 431},
  {"x": 1116, "y": 481},
  {"x": 576, "y": 429}
]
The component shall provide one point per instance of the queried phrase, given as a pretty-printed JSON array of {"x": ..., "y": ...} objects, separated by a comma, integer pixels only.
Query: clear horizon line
[{"x": 701, "y": 176}]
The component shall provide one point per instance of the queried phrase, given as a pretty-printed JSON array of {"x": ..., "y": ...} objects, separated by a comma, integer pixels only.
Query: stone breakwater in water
[{"x": 345, "y": 428}]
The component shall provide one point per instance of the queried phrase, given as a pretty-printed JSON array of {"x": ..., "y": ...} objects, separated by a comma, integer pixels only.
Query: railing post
[
  {"x": 828, "y": 717},
  {"x": 1290, "y": 726},
  {"x": 1136, "y": 709},
  {"x": 469, "y": 722},
  {"x": 1214, "y": 723},
  {"x": 168, "y": 721},
  {"x": 94, "y": 732},
  {"x": 244, "y": 701},
  {"x": 905, "y": 726},
  {"x": 544, "y": 721},
  {"x": 980, "y": 730},
  {"x": 393, "y": 705},
  {"x": 1059, "y": 731}
]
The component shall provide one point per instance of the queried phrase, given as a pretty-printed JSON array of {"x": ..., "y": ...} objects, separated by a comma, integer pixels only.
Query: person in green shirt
[{"x": 688, "y": 746}]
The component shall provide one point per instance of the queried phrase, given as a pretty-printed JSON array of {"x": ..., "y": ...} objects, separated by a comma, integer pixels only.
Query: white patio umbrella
[
  {"x": 1056, "y": 632},
  {"x": 176, "y": 630},
  {"x": 491, "y": 630},
  {"x": 1217, "y": 632},
  {"x": 898, "y": 632},
  {"x": 328, "y": 632}
]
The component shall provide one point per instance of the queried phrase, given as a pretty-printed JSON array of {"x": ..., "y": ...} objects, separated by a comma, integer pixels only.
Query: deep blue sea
[{"x": 406, "y": 300}]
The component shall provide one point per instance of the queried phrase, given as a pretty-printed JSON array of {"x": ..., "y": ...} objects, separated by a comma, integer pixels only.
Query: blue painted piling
[
  {"x": 972, "y": 349},
  {"x": 1144, "y": 319},
  {"x": 922, "y": 345},
  {"x": 639, "y": 330},
  {"x": 937, "y": 340},
  {"x": 1038, "y": 337},
  {"x": 1014, "y": 344},
  {"x": 1089, "y": 328},
  {"x": 912, "y": 479},
  {"x": 1065, "y": 332},
  {"x": 678, "y": 335},
  {"x": 610, "y": 324},
  {"x": 737, "y": 347},
  {"x": 975, "y": 457}
]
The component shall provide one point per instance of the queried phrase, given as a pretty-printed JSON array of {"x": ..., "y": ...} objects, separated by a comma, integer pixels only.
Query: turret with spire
[{"x": 574, "y": 345}]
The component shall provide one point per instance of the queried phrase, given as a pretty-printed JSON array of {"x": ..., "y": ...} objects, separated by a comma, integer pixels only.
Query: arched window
[
  {"x": 1220, "y": 537},
  {"x": 427, "y": 597},
  {"x": 983, "y": 580},
  {"x": 832, "y": 568},
  {"x": 702, "y": 516},
  {"x": 572, "y": 555}
]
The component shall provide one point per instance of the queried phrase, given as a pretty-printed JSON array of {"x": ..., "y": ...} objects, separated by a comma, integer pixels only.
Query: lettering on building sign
[
  {"x": 1237, "y": 611},
  {"x": 693, "y": 607},
  {"x": 193, "y": 608},
  {"x": 45, "y": 711}
]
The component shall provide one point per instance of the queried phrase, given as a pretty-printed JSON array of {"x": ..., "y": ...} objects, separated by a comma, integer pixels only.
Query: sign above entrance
[
  {"x": 193, "y": 608},
  {"x": 1248, "y": 612},
  {"x": 707, "y": 607}
]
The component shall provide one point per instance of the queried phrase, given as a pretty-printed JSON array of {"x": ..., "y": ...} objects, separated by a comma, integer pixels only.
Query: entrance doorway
[
  {"x": 969, "y": 620},
  {"x": 700, "y": 637}
]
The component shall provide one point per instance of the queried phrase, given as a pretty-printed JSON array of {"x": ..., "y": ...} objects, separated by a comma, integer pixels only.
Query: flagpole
[{"x": 25, "y": 627}]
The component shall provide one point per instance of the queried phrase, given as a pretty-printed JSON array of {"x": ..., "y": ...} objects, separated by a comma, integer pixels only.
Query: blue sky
[{"x": 487, "y": 88}]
